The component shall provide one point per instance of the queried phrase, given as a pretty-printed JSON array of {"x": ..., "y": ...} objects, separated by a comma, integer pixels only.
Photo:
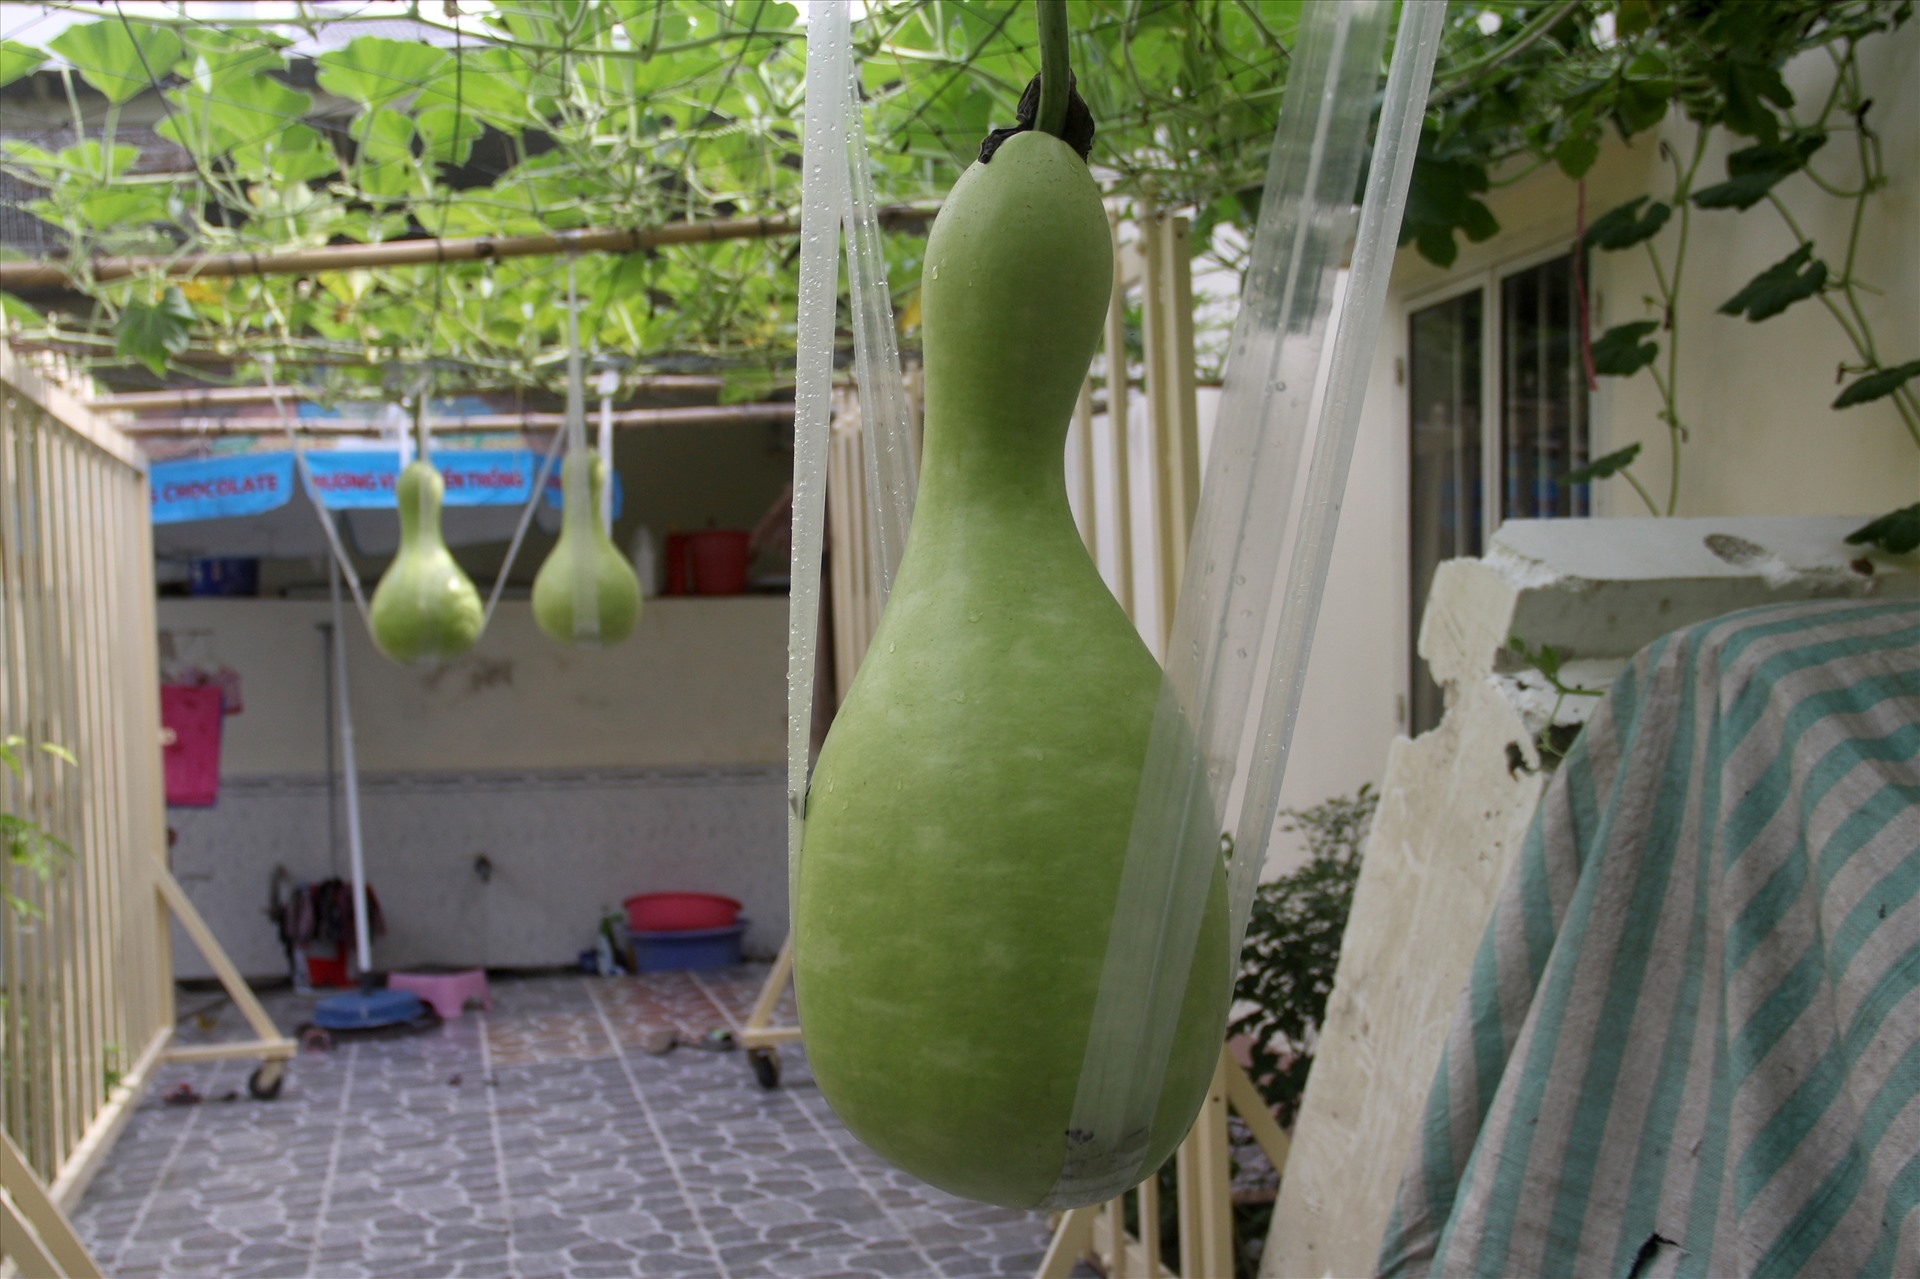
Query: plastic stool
[{"x": 447, "y": 992}]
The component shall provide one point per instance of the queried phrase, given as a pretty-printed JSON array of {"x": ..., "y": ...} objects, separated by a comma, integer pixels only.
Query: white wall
[
  {"x": 702, "y": 681},
  {"x": 582, "y": 776},
  {"x": 1756, "y": 396},
  {"x": 1764, "y": 440}
]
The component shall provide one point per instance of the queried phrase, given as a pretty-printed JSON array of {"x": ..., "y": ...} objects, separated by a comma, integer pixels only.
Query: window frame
[{"x": 1487, "y": 280}]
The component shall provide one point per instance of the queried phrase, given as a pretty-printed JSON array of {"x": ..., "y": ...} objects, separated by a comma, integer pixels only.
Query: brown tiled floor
[{"x": 536, "y": 1140}]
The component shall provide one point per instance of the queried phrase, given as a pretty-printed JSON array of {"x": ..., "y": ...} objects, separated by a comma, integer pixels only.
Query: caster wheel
[
  {"x": 266, "y": 1082},
  {"x": 766, "y": 1066},
  {"x": 315, "y": 1039}
]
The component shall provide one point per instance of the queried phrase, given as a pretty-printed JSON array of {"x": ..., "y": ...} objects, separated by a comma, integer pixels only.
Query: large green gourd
[
  {"x": 969, "y": 814},
  {"x": 605, "y": 576},
  {"x": 425, "y": 608}
]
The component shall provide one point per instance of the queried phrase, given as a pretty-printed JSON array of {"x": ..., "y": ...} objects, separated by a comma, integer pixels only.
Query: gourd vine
[{"x": 1055, "y": 77}]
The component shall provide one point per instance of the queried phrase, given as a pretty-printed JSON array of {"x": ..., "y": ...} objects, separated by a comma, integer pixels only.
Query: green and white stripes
[{"x": 1690, "y": 1044}]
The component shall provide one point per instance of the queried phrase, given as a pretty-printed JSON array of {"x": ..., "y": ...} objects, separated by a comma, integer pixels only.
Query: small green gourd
[
  {"x": 585, "y": 567},
  {"x": 969, "y": 815},
  {"x": 425, "y": 608}
]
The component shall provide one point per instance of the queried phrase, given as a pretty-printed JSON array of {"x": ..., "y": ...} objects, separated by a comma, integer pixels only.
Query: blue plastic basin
[{"x": 688, "y": 949}]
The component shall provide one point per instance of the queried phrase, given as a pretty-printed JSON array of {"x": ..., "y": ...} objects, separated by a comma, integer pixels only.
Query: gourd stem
[{"x": 1055, "y": 78}]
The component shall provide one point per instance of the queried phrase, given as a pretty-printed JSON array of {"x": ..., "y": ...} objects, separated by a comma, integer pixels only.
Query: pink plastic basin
[{"x": 679, "y": 912}]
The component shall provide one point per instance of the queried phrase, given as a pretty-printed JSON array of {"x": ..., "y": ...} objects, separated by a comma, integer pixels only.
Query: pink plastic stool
[{"x": 447, "y": 992}]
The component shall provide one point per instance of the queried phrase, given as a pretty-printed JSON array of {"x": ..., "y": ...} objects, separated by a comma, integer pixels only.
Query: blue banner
[
  {"x": 218, "y": 487},
  {"x": 345, "y": 479},
  {"x": 365, "y": 479}
]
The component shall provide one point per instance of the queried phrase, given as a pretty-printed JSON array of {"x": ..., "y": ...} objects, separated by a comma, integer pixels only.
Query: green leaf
[
  {"x": 237, "y": 111},
  {"x": 92, "y": 160},
  {"x": 745, "y": 386},
  {"x": 386, "y": 136},
  {"x": 1623, "y": 350},
  {"x": 491, "y": 84},
  {"x": 1631, "y": 17},
  {"x": 1877, "y": 385},
  {"x": 374, "y": 71},
  {"x": 119, "y": 58},
  {"x": 46, "y": 169},
  {"x": 1753, "y": 171},
  {"x": 1442, "y": 199},
  {"x": 1602, "y": 467},
  {"x": 449, "y": 135},
  {"x": 1627, "y": 225},
  {"x": 1641, "y": 104},
  {"x": 122, "y": 206},
  {"x": 294, "y": 154},
  {"x": 60, "y": 753},
  {"x": 1896, "y": 532},
  {"x": 1748, "y": 87},
  {"x": 1776, "y": 157},
  {"x": 19, "y": 312},
  {"x": 150, "y": 332},
  {"x": 1797, "y": 276},
  {"x": 1742, "y": 192},
  {"x": 1576, "y": 155},
  {"x": 18, "y": 59}
]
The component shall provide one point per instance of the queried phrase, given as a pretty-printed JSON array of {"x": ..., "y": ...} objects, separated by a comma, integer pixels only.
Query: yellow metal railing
[{"x": 86, "y": 967}]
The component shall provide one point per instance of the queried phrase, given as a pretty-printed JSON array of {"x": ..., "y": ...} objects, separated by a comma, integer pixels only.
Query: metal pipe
[
  {"x": 486, "y": 423},
  {"x": 30, "y": 277},
  {"x": 210, "y": 396}
]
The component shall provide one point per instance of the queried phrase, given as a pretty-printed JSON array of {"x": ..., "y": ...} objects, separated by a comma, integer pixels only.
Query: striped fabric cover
[{"x": 1690, "y": 1044}]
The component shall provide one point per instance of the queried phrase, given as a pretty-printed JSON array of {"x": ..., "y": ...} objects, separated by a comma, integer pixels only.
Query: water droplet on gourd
[
  {"x": 891, "y": 647},
  {"x": 973, "y": 617},
  {"x": 1239, "y": 579},
  {"x": 1239, "y": 652},
  {"x": 936, "y": 271}
]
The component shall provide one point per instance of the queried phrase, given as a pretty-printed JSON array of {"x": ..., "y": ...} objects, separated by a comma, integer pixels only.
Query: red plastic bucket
[
  {"x": 676, "y": 564},
  {"x": 679, "y": 912},
  {"x": 717, "y": 561}
]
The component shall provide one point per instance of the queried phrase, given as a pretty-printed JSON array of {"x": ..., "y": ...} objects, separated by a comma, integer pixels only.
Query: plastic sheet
[
  {"x": 822, "y": 180},
  {"x": 526, "y": 519},
  {"x": 576, "y": 481},
  {"x": 607, "y": 384},
  {"x": 341, "y": 562},
  {"x": 885, "y": 419},
  {"x": 1176, "y": 844},
  {"x": 1416, "y": 46}
]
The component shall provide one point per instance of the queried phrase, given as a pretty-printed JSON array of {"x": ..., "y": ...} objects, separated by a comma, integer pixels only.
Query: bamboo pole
[
  {"x": 29, "y": 277},
  {"x": 477, "y": 424},
  {"x": 201, "y": 397}
]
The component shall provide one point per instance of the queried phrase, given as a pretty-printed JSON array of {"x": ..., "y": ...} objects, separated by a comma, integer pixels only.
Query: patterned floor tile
[{"x": 536, "y": 1140}]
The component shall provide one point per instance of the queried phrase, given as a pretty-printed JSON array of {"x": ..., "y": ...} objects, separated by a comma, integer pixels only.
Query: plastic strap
[
  {"x": 576, "y": 512},
  {"x": 1416, "y": 46},
  {"x": 823, "y": 165},
  {"x": 892, "y": 467},
  {"x": 520, "y": 529},
  {"x": 1175, "y": 845},
  {"x": 307, "y": 486},
  {"x": 608, "y": 383}
]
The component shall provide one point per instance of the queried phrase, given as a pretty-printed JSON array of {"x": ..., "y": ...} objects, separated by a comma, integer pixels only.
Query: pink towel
[{"x": 192, "y": 755}]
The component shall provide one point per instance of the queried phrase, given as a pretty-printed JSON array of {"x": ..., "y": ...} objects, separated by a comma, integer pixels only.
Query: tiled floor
[{"x": 537, "y": 1140}]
